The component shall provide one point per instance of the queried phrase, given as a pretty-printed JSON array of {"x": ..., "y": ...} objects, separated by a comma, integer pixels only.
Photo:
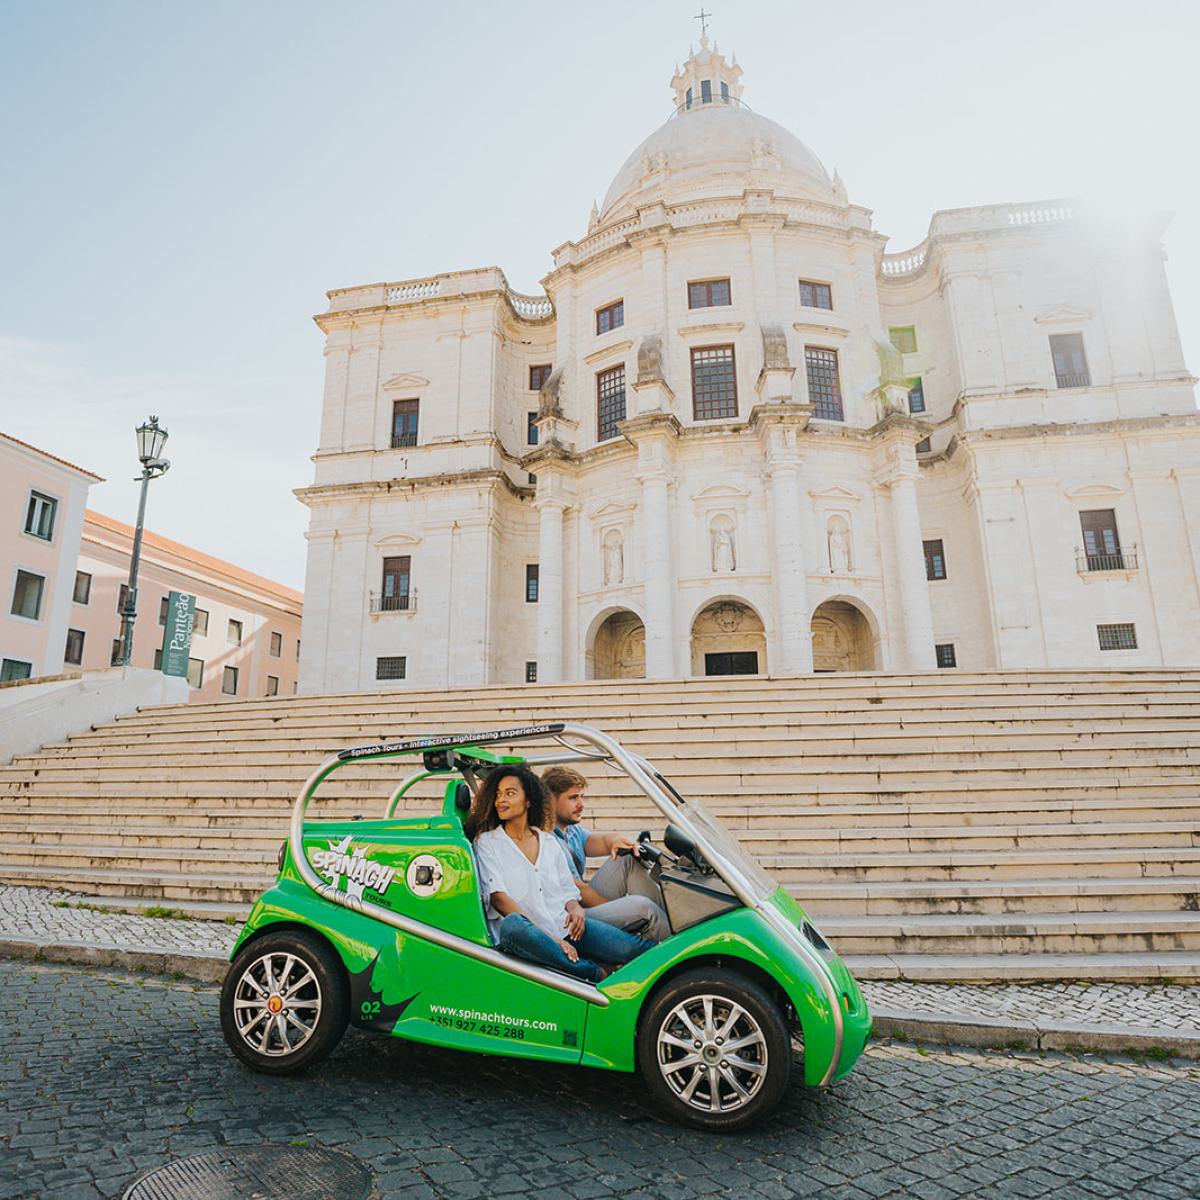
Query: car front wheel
[
  {"x": 285, "y": 1002},
  {"x": 715, "y": 1050}
]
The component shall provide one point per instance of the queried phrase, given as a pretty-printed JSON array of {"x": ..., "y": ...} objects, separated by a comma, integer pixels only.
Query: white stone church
[{"x": 737, "y": 436}]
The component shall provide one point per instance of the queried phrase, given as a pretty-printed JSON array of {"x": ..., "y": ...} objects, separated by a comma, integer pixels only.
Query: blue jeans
[{"x": 519, "y": 936}]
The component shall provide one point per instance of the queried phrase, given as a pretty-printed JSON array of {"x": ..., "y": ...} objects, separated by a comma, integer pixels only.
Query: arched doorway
[
  {"x": 619, "y": 648},
  {"x": 841, "y": 638},
  {"x": 728, "y": 639}
]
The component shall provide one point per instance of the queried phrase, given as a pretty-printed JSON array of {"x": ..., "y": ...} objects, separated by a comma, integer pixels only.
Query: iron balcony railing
[
  {"x": 404, "y": 439},
  {"x": 1069, "y": 379},
  {"x": 1122, "y": 560},
  {"x": 405, "y": 602}
]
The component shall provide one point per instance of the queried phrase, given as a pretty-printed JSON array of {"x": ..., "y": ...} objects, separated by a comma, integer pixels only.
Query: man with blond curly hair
[{"x": 621, "y": 893}]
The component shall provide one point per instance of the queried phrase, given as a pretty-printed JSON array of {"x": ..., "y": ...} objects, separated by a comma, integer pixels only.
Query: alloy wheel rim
[
  {"x": 277, "y": 1004},
  {"x": 712, "y": 1054}
]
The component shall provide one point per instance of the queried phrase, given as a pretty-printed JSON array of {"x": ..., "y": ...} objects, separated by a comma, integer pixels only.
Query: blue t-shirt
[{"x": 575, "y": 838}]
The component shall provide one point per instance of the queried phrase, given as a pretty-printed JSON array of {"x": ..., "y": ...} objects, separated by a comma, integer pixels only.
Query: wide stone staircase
[{"x": 1011, "y": 825}]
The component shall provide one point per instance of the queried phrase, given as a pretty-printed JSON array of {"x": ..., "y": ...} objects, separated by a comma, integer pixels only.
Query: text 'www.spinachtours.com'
[{"x": 492, "y": 1018}]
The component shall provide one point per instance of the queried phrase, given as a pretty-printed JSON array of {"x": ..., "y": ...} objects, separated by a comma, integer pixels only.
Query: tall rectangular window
[
  {"x": 83, "y": 588},
  {"x": 15, "y": 668},
  {"x": 404, "y": 422},
  {"x": 1101, "y": 545},
  {"x": 815, "y": 295},
  {"x": 195, "y": 675},
  {"x": 114, "y": 653},
  {"x": 27, "y": 595},
  {"x": 824, "y": 385},
  {"x": 122, "y": 596},
  {"x": 612, "y": 316},
  {"x": 916, "y": 396},
  {"x": 1070, "y": 362},
  {"x": 709, "y": 293},
  {"x": 923, "y": 446},
  {"x": 538, "y": 376},
  {"x": 714, "y": 384},
  {"x": 531, "y": 672},
  {"x": 944, "y": 655},
  {"x": 39, "y": 516},
  {"x": 706, "y": 91},
  {"x": 233, "y": 633},
  {"x": 904, "y": 338},
  {"x": 531, "y": 583},
  {"x": 935, "y": 560},
  {"x": 392, "y": 666},
  {"x": 1117, "y": 637},
  {"x": 229, "y": 681},
  {"x": 610, "y": 402},
  {"x": 397, "y": 580},
  {"x": 272, "y": 685},
  {"x": 200, "y": 628},
  {"x": 163, "y": 605},
  {"x": 531, "y": 429},
  {"x": 276, "y": 644},
  {"x": 74, "y": 651}
]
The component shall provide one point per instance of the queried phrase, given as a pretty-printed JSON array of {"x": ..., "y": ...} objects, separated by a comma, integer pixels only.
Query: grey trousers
[{"x": 633, "y": 901}]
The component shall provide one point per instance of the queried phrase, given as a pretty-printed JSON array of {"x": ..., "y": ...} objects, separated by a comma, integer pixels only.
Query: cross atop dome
[{"x": 706, "y": 78}]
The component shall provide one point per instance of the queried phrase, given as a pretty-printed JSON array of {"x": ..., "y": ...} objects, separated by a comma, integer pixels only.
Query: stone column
[
  {"x": 550, "y": 589},
  {"x": 658, "y": 574},
  {"x": 788, "y": 525},
  {"x": 910, "y": 559}
]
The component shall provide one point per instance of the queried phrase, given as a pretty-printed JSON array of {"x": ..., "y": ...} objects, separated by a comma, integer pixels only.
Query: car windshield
[{"x": 727, "y": 847}]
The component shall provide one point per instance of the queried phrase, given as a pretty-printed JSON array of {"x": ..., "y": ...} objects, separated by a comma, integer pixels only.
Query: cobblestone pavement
[
  {"x": 104, "y": 1076},
  {"x": 52, "y": 915}
]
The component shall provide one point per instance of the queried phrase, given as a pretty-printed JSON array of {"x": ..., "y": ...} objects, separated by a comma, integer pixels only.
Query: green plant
[{"x": 166, "y": 914}]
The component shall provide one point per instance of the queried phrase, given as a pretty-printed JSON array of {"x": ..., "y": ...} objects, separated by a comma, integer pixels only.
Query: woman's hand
[
  {"x": 569, "y": 950},
  {"x": 576, "y": 920}
]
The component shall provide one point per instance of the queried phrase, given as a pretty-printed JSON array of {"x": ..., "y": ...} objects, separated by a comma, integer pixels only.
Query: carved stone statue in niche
[
  {"x": 549, "y": 402},
  {"x": 840, "y": 559},
  {"x": 775, "y": 347},
  {"x": 614, "y": 558},
  {"x": 724, "y": 552},
  {"x": 650, "y": 359}
]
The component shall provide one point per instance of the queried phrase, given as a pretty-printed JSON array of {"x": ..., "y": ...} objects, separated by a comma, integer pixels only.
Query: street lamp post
[{"x": 151, "y": 440}]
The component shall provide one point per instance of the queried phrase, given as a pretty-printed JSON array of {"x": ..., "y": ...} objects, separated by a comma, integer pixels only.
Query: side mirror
[{"x": 644, "y": 836}]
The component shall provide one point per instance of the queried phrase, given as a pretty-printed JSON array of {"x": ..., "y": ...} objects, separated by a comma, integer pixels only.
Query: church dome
[{"x": 714, "y": 145}]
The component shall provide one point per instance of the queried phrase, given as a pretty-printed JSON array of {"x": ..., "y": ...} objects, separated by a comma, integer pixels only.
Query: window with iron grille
[
  {"x": 815, "y": 295},
  {"x": 39, "y": 517},
  {"x": 531, "y": 583},
  {"x": 200, "y": 627},
  {"x": 229, "y": 681},
  {"x": 935, "y": 560},
  {"x": 916, "y": 396},
  {"x": 195, "y": 675},
  {"x": 397, "y": 578},
  {"x": 1101, "y": 545},
  {"x": 233, "y": 633},
  {"x": 531, "y": 429},
  {"x": 1117, "y": 637},
  {"x": 904, "y": 338},
  {"x": 276, "y": 649},
  {"x": 612, "y": 316},
  {"x": 944, "y": 655},
  {"x": 1070, "y": 362},
  {"x": 714, "y": 384},
  {"x": 706, "y": 91},
  {"x": 824, "y": 386},
  {"x": 405, "y": 414},
  {"x": 27, "y": 595},
  {"x": 531, "y": 672},
  {"x": 15, "y": 668},
  {"x": 272, "y": 685},
  {"x": 709, "y": 293},
  {"x": 538, "y": 376},
  {"x": 391, "y": 666},
  {"x": 610, "y": 402},
  {"x": 74, "y": 650},
  {"x": 83, "y": 588}
]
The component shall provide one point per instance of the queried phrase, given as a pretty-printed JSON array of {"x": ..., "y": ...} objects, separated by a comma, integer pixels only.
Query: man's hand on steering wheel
[{"x": 623, "y": 843}]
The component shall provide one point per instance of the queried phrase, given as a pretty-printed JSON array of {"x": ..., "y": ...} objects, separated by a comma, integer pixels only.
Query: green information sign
[{"x": 177, "y": 636}]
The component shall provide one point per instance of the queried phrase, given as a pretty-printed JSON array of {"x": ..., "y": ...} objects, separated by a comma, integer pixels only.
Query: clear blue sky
[{"x": 184, "y": 181}]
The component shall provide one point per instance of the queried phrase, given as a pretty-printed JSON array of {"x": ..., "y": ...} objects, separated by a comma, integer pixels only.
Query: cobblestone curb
[{"x": 205, "y": 968}]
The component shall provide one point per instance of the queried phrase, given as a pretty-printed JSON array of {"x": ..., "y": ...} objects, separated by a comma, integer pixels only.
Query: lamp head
[{"x": 151, "y": 440}]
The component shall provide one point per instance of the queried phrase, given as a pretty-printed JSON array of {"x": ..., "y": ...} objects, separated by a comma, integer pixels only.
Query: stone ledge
[{"x": 207, "y": 968}]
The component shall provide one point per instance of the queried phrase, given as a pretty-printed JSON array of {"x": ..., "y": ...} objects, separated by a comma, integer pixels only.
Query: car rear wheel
[
  {"x": 285, "y": 1002},
  {"x": 715, "y": 1050}
]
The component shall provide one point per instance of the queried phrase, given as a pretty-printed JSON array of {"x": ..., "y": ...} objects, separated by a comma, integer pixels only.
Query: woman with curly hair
[{"x": 529, "y": 894}]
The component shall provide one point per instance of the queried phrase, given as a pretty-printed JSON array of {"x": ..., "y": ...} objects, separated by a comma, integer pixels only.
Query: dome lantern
[{"x": 706, "y": 78}]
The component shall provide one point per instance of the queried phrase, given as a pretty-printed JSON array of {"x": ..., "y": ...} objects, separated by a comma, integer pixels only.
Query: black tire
[
  {"x": 313, "y": 998},
  {"x": 760, "y": 1068}
]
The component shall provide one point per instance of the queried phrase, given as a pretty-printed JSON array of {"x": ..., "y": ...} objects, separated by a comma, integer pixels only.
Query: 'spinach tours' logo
[{"x": 349, "y": 870}]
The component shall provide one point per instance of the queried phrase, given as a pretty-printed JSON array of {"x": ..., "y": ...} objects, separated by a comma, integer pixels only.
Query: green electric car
[{"x": 381, "y": 923}]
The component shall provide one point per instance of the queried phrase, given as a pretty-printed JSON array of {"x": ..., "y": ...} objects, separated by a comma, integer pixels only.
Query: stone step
[
  {"x": 1131, "y": 967},
  {"x": 1171, "y": 893},
  {"x": 1029, "y": 933}
]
